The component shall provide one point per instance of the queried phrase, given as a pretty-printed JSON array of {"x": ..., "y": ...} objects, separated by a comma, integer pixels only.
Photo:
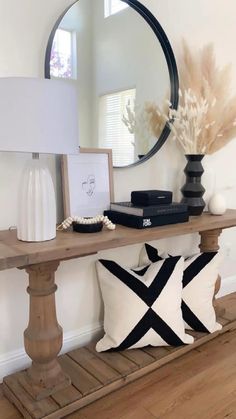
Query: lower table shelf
[{"x": 95, "y": 375}]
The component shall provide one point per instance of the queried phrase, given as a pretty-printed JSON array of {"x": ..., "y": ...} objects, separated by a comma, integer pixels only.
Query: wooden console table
[{"x": 55, "y": 386}]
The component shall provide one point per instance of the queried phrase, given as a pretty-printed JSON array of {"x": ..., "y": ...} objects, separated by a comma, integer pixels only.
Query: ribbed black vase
[{"x": 193, "y": 190}]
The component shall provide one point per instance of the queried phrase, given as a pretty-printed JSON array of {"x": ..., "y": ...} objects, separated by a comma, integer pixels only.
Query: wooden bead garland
[{"x": 81, "y": 220}]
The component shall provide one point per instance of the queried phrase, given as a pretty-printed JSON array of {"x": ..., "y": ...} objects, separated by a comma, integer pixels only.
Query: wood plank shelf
[
  {"x": 68, "y": 245},
  {"x": 94, "y": 375}
]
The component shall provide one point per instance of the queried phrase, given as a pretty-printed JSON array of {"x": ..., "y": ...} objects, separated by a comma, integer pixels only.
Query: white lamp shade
[{"x": 38, "y": 116}]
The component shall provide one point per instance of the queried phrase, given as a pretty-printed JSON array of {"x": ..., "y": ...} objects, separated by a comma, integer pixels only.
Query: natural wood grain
[
  {"x": 225, "y": 407},
  {"x": 87, "y": 378},
  {"x": 187, "y": 396},
  {"x": 229, "y": 305},
  {"x": 68, "y": 245},
  {"x": 81, "y": 379},
  {"x": 210, "y": 240},
  {"x": 138, "y": 356},
  {"x": 66, "y": 396},
  {"x": 95, "y": 366},
  {"x": 139, "y": 413},
  {"x": 43, "y": 336},
  {"x": 158, "y": 353},
  {"x": 210, "y": 243},
  {"x": 35, "y": 409},
  {"x": 161, "y": 385},
  {"x": 115, "y": 360},
  {"x": 7, "y": 410}
]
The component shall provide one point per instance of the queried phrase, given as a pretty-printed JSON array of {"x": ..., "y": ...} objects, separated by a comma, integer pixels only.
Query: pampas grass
[
  {"x": 206, "y": 118},
  {"x": 138, "y": 120},
  {"x": 186, "y": 122},
  {"x": 200, "y": 73}
]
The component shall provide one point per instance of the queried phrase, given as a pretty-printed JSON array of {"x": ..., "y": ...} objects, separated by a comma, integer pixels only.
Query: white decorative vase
[
  {"x": 217, "y": 204},
  {"x": 37, "y": 206}
]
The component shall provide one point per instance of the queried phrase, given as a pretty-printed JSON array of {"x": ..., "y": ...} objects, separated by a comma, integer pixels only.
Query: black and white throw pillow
[
  {"x": 143, "y": 305},
  {"x": 199, "y": 279}
]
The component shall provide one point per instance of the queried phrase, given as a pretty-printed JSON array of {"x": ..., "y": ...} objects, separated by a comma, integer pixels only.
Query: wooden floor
[{"x": 200, "y": 384}]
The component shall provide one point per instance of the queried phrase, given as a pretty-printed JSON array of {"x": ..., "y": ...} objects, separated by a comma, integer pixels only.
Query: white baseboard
[
  {"x": 17, "y": 360},
  {"x": 12, "y": 362}
]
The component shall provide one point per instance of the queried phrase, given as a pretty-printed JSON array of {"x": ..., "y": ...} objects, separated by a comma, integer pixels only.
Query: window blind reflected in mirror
[{"x": 113, "y": 133}]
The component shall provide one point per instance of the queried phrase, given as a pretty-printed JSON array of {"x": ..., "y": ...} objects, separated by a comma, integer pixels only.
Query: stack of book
[{"x": 148, "y": 209}]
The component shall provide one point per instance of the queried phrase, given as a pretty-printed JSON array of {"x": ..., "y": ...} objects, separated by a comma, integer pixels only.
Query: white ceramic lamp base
[{"x": 37, "y": 206}]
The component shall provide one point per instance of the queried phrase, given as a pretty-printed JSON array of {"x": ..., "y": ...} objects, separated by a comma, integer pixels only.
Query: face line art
[{"x": 89, "y": 185}]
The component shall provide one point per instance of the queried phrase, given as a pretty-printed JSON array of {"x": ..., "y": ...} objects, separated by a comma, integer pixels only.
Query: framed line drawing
[{"x": 87, "y": 182}]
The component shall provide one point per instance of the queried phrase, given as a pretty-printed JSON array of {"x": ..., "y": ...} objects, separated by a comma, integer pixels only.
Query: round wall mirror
[{"x": 120, "y": 59}]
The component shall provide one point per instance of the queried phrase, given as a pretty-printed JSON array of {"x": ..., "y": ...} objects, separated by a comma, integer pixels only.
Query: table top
[{"x": 68, "y": 245}]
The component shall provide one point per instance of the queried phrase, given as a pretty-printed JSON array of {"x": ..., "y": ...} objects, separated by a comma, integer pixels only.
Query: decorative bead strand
[
  {"x": 81, "y": 220},
  {"x": 109, "y": 225}
]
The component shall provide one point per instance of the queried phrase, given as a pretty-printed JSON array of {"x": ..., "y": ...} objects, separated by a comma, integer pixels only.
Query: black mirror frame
[{"x": 170, "y": 59}]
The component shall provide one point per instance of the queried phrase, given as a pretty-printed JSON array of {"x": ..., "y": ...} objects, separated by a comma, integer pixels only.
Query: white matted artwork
[{"x": 87, "y": 182}]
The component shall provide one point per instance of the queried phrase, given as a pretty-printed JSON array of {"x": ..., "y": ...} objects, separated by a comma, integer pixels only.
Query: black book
[
  {"x": 135, "y": 221},
  {"x": 150, "y": 211}
]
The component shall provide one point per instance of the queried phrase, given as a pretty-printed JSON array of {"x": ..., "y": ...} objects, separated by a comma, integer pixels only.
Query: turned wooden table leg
[
  {"x": 210, "y": 243},
  {"x": 43, "y": 336}
]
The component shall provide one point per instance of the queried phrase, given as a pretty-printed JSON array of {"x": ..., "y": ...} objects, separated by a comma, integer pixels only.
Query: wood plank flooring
[{"x": 200, "y": 384}]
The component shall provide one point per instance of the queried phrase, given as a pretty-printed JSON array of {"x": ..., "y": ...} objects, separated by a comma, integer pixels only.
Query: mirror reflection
[{"x": 117, "y": 63}]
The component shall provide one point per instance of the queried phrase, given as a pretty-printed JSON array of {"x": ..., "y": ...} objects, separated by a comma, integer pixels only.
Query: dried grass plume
[
  {"x": 200, "y": 73},
  {"x": 203, "y": 85}
]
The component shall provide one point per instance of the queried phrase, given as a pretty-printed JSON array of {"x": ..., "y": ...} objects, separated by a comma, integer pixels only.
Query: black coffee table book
[
  {"x": 136, "y": 221},
  {"x": 150, "y": 208}
]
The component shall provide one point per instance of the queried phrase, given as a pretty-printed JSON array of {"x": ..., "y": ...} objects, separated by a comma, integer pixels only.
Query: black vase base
[
  {"x": 195, "y": 206},
  {"x": 195, "y": 211}
]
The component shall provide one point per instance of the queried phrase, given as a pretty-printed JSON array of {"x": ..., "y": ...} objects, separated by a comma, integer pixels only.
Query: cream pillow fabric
[
  {"x": 143, "y": 305},
  {"x": 199, "y": 279}
]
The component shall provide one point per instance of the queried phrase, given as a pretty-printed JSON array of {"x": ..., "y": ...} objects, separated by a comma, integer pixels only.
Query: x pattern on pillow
[
  {"x": 189, "y": 275},
  {"x": 149, "y": 295}
]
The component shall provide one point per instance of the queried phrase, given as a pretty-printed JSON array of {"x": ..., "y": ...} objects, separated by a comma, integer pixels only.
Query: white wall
[{"x": 24, "y": 30}]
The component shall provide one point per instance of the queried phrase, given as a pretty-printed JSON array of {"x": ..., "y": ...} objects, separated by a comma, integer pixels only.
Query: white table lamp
[{"x": 37, "y": 116}]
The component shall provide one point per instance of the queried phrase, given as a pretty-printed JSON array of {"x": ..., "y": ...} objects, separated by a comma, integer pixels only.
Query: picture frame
[{"x": 87, "y": 182}]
